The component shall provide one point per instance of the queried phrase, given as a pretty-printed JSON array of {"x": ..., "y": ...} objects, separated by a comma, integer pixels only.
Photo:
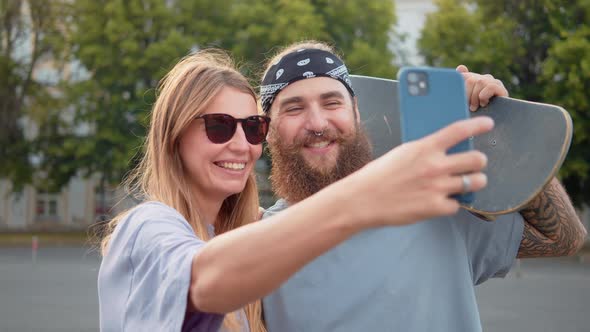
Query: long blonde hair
[{"x": 184, "y": 93}]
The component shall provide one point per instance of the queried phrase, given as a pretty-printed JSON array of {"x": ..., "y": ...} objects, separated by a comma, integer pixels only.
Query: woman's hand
[{"x": 414, "y": 181}]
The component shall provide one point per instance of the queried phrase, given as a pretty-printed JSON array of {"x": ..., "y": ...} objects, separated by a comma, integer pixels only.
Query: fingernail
[
  {"x": 487, "y": 119},
  {"x": 472, "y": 108}
]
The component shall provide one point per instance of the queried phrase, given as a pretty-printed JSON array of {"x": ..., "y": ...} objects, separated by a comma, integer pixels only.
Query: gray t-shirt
[
  {"x": 145, "y": 276},
  {"x": 419, "y": 277}
]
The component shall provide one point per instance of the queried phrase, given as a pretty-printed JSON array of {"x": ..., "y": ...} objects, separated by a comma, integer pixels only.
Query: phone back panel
[
  {"x": 444, "y": 103},
  {"x": 439, "y": 104}
]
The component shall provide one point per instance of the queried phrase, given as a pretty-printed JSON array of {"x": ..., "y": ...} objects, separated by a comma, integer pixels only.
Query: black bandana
[{"x": 298, "y": 65}]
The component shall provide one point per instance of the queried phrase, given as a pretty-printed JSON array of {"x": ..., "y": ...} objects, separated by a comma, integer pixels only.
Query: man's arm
[{"x": 552, "y": 227}]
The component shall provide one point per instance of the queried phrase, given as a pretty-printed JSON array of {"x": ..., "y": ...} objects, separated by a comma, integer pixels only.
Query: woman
[
  {"x": 197, "y": 174},
  {"x": 163, "y": 266}
]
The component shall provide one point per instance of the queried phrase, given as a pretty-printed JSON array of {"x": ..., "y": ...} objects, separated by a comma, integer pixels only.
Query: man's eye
[
  {"x": 293, "y": 109},
  {"x": 333, "y": 103}
]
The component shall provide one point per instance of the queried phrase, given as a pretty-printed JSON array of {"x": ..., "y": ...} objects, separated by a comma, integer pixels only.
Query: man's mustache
[{"x": 327, "y": 135}]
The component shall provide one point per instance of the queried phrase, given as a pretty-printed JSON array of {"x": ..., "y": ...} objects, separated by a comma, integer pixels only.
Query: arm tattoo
[{"x": 552, "y": 227}]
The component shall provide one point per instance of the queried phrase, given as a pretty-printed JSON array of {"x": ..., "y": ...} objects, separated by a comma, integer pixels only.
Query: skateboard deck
[{"x": 525, "y": 149}]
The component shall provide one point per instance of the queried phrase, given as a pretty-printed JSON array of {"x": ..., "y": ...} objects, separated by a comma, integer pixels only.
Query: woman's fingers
[
  {"x": 465, "y": 162},
  {"x": 455, "y": 184},
  {"x": 459, "y": 131}
]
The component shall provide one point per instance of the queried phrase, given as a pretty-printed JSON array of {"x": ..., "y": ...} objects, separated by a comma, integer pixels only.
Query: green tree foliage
[
  {"x": 124, "y": 47},
  {"x": 566, "y": 80},
  {"x": 112, "y": 53},
  {"x": 29, "y": 35},
  {"x": 361, "y": 30},
  {"x": 127, "y": 46},
  {"x": 539, "y": 49}
]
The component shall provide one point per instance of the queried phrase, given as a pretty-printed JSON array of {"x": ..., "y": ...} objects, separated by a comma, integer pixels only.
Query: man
[{"x": 412, "y": 278}]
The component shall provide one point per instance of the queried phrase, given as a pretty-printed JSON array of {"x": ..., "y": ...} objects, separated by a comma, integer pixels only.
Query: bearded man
[{"x": 419, "y": 277}]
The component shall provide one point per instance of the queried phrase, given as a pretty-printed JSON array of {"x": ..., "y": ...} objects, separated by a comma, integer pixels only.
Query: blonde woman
[
  {"x": 197, "y": 179},
  {"x": 190, "y": 254}
]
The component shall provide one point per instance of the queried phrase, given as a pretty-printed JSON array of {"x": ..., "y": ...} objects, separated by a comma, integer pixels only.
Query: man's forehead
[{"x": 311, "y": 88}]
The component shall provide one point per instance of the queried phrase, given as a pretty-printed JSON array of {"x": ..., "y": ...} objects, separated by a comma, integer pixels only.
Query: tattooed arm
[{"x": 552, "y": 227}]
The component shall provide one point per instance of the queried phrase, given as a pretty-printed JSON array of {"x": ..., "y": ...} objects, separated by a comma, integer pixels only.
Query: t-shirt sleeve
[
  {"x": 491, "y": 246},
  {"x": 161, "y": 256},
  {"x": 279, "y": 206}
]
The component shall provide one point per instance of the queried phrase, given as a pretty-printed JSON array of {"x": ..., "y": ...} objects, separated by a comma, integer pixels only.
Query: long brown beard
[{"x": 293, "y": 179}]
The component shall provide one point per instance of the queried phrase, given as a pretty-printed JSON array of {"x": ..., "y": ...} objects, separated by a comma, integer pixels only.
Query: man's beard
[{"x": 293, "y": 179}]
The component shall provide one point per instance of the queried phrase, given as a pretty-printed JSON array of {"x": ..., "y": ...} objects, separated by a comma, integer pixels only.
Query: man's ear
[
  {"x": 272, "y": 134},
  {"x": 357, "y": 115}
]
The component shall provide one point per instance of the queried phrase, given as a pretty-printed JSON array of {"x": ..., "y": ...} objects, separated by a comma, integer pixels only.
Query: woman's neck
[{"x": 209, "y": 208}]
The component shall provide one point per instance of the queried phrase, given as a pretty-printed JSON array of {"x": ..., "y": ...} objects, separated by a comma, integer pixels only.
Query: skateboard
[{"x": 525, "y": 149}]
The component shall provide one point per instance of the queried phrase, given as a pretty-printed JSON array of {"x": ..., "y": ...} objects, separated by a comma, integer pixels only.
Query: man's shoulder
[{"x": 279, "y": 206}]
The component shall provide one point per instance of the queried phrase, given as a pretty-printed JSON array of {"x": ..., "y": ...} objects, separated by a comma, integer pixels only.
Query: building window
[
  {"x": 40, "y": 207},
  {"x": 52, "y": 208},
  {"x": 47, "y": 207}
]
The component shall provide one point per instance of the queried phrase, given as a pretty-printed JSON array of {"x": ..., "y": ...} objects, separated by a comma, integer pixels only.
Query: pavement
[
  {"x": 550, "y": 295},
  {"x": 56, "y": 291}
]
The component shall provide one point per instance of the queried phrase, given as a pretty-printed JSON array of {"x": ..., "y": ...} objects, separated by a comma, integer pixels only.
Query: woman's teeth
[{"x": 234, "y": 166}]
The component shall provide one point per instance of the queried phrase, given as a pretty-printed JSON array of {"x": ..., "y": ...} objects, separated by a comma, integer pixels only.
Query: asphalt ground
[{"x": 56, "y": 291}]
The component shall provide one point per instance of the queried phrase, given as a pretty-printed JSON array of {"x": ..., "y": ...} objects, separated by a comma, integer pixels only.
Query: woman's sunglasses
[{"x": 220, "y": 128}]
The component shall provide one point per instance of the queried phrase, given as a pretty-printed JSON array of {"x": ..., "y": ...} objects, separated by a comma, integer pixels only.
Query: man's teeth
[
  {"x": 236, "y": 166},
  {"x": 322, "y": 144}
]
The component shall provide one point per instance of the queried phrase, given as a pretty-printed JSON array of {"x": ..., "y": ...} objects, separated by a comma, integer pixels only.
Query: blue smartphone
[{"x": 431, "y": 99}]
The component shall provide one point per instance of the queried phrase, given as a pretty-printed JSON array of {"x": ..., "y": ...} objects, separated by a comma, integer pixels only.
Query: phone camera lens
[
  {"x": 412, "y": 77},
  {"x": 414, "y": 90}
]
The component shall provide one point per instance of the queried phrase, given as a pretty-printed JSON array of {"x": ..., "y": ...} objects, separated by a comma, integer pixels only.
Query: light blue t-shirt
[
  {"x": 145, "y": 276},
  {"x": 413, "y": 278}
]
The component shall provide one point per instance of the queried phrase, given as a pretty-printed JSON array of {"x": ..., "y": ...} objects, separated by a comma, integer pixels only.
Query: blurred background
[{"x": 78, "y": 78}]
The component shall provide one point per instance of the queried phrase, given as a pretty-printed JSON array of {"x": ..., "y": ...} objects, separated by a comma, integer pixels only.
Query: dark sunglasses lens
[
  {"x": 220, "y": 127},
  {"x": 255, "y": 128}
]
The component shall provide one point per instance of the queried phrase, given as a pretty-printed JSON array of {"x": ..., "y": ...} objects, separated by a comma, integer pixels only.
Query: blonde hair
[{"x": 184, "y": 93}]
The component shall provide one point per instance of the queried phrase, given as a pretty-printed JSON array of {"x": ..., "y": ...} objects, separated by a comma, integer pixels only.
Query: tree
[
  {"x": 539, "y": 49},
  {"x": 29, "y": 36},
  {"x": 125, "y": 48},
  {"x": 566, "y": 81},
  {"x": 361, "y": 30},
  {"x": 119, "y": 50}
]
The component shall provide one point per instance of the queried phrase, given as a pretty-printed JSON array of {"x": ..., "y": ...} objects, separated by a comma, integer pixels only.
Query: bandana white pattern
[
  {"x": 279, "y": 73},
  {"x": 338, "y": 71},
  {"x": 266, "y": 90}
]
